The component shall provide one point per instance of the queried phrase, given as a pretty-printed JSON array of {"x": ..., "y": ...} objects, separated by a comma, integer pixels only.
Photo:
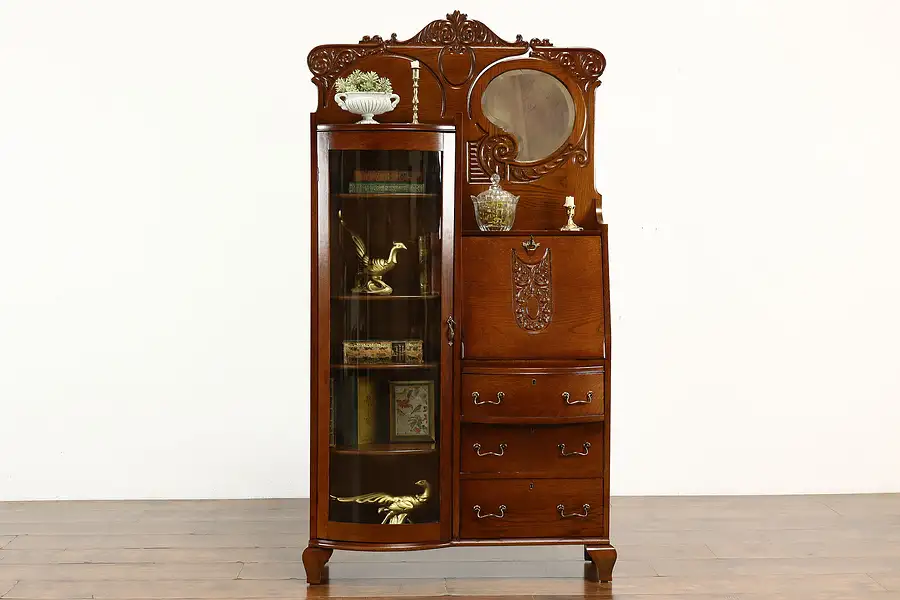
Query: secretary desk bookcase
[{"x": 460, "y": 377}]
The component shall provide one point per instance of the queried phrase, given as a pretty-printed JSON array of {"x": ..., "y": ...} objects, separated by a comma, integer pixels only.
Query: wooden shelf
[
  {"x": 386, "y": 366},
  {"x": 375, "y": 298},
  {"x": 388, "y": 449},
  {"x": 534, "y": 232},
  {"x": 405, "y": 196},
  {"x": 534, "y": 420}
]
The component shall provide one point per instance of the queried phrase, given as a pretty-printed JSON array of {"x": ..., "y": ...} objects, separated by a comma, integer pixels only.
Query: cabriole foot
[
  {"x": 604, "y": 559},
  {"x": 314, "y": 559}
]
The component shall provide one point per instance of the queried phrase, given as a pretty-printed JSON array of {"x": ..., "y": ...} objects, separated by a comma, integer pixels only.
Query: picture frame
[{"x": 412, "y": 411}]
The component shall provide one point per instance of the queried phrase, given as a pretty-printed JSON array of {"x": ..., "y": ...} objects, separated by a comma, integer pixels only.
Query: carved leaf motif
[
  {"x": 585, "y": 65},
  {"x": 326, "y": 62},
  {"x": 532, "y": 292}
]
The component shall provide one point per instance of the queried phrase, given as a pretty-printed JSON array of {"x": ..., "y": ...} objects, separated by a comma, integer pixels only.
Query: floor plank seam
[
  {"x": 4, "y": 594},
  {"x": 878, "y": 583}
]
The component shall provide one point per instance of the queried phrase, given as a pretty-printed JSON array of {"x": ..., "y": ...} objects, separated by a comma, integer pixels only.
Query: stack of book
[
  {"x": 404, "y": 352},
  {"x": 353, "y": 412},
  {"x": 386, "y": 182}
]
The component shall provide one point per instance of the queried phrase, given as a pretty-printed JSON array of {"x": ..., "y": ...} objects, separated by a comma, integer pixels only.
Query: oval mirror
[{"x": 532, "y": 106}]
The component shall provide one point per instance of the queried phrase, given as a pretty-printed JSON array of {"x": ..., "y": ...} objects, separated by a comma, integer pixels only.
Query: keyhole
[
  {"x": 531, "y": 486},
  {"x": 534, "y": 382}
]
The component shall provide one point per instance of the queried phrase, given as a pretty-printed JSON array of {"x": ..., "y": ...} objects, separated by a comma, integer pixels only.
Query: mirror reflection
[{"x": 532, "y": 106}]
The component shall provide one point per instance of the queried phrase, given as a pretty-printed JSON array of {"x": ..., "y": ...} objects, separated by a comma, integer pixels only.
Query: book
[
  {"x": 386, "y": 175},
  {"x": 406, "y": 352},
  {"x": 345, "y": 402},
  {"x": 385, "y": 187},
  {"x": 365, "y": 411},
  {"x": 424, "y": 242}
]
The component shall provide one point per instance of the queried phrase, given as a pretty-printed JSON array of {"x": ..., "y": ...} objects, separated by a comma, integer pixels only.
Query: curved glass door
[{"x": 387, "y": 336}]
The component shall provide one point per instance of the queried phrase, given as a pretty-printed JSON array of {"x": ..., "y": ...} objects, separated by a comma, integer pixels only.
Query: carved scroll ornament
[
  {"x": 586, "y": 66},
  {"x": 524, "y": 173},
  {"x": 327, "y": 62},
  {"x": 532, "y": 292}
]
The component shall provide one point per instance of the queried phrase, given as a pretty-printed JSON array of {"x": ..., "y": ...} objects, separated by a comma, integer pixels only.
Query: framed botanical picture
[{"x": 412, "y": 411}]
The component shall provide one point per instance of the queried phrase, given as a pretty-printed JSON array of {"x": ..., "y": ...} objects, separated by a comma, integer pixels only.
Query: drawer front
[
  {"x": 530, "y": 508},
  {"x": 532, "y": 396},
  {"x": 547, "y": 303},
  {"x": 561, "y": 450}
]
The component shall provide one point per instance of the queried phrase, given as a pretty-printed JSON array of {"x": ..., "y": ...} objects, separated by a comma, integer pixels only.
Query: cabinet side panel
[
  {"x": 323, "y": 297},
  {"x": 313, "y": 333},
  {"x": 604, "y": 230}
]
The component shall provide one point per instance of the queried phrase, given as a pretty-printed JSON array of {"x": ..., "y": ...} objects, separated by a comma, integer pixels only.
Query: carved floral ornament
[{"x": 532, "y": 292}]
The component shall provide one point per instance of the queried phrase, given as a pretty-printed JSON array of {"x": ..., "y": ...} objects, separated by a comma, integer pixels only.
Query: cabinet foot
[
  {"x": 314, "y": 559},
  {"x": 604, "y": 559}
]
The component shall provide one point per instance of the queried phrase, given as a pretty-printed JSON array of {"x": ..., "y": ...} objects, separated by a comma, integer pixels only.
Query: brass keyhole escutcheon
[{"x": 531, "y": 486}]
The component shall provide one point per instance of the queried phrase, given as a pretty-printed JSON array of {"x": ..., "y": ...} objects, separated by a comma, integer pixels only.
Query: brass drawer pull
[
  {"x": 562, "y": 512},
  {"x": 478, "y": 451},
  {"x": 475, "y": 396},
  {"x": 502, "y": 514},
  {"x": 566, "y": 396},
  {"x": 562, "y": 450}
]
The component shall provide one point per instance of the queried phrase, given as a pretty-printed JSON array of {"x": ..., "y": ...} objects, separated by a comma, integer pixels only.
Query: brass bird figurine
[
  {"x": 396, "y": 508},
  {"x": 374, "y": 268}
]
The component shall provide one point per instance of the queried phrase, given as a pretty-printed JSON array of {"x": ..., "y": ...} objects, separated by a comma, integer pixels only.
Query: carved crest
[
  {"x": 532, "y": 292},
  {"x": 457, "y": 34}
]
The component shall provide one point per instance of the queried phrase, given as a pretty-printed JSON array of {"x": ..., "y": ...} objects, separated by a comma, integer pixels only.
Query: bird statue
[
  {"x": 396, "y": 509},
  {"x": 373, "y": 268}
]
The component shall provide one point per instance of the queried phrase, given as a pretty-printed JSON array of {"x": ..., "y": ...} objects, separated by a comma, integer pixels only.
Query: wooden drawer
[
  {"x": 547, "y": 303},
  {"x": 560, "y": 395},
  {"x": 530, "y": 508},
  {"x": 561, "y": 450}
]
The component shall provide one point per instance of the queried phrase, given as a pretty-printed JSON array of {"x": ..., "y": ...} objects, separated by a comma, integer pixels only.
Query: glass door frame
[{"x": 381, "y": 137}]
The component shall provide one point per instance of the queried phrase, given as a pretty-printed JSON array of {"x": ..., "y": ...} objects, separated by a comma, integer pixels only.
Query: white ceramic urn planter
[{"x": 367, "y": 104}]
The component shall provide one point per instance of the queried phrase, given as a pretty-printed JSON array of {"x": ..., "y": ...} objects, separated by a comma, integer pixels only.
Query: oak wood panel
[
  {"x": 532, "y": 395},
  {"x": 531, "y": 450},
  {"x": 531, "y": 508},
  {"x": 489, "y": 327}
]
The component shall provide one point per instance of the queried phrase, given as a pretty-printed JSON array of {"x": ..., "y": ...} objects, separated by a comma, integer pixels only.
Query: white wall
[{"x": 154, "y": 181}]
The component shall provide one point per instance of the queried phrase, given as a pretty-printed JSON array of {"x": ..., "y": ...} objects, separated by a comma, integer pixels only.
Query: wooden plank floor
[{"x": 804, "y": 547}]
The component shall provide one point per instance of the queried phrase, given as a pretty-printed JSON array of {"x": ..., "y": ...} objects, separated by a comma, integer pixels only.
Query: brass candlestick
[
  {"x": 415, "y": 96},
  {"x": 570, "y": 212}
]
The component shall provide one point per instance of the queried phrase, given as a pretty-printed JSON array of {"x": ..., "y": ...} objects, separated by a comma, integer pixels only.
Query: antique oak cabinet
[{"x": 460, "y": 377}]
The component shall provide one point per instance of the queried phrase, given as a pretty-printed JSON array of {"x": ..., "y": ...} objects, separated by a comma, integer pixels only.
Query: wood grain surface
[
  {"x": 706, "y": 548},
  {"x": 489, "y": 327}
]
